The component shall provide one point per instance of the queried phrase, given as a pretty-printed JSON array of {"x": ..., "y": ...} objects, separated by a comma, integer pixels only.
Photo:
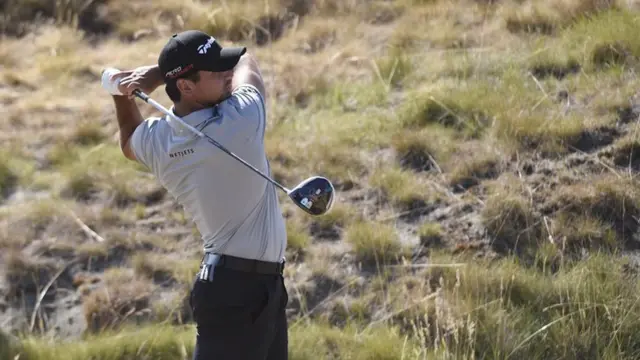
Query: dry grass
[
  {"x": 461, "y": 111},
  {"x": 333, "y": 224},
  {"x": 374, "y": 243},
  {"x": 298, "y": 238},
  {"x": 153, "y": 266},
  {"x": 401, "y": 188},
  {"x": 488, "y": 121},
  {"x": 601, "y": 213},
  {"x": 122, "y": 298},
  {"x": 444, "y": 309},
  {"x": 26, "y": 222},
  {"x": 96, "y": 169},
  {"x": 548, "y": 16},
  {"x": 625, "y": 153},
  {"x": 475, "y": 162},
  {"x": 431, "y": 234},
  {"x": 510, "y": 218},
  {"x": 423, "y": 150},
  {"x": 26, "y": 275}
]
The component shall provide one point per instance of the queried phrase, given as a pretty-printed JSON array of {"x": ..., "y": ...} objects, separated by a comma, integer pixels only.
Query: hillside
[{"x": 485, "y": 155}]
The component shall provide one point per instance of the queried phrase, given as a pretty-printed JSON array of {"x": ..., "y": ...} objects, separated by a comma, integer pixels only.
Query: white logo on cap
[
  {"x": 202, "y": 49},
  {"x": 174, "y": 71}
]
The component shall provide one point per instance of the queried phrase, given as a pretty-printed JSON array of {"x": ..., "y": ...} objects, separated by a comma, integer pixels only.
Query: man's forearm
[
  {"x": 158, "y": 77},
  {"x": 129, "y": 118},
  {"x": 247, "y": 71}
]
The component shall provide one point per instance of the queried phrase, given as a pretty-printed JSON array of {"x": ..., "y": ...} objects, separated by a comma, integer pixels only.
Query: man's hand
[{"x": 144, "y": 78}]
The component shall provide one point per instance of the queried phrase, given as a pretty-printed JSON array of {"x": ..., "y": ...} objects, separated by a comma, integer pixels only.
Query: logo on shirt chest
[{"x": 181, "y": 153}]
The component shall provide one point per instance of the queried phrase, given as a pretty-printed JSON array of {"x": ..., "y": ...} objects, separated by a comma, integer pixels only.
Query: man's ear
[{"x": 185, "y": 86}]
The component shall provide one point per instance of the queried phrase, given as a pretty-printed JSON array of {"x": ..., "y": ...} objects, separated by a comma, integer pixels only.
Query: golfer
[{"x": 239, "y": 297}]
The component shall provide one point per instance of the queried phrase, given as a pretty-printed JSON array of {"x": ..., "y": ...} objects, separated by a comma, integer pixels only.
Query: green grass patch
[
  {"x": 332, "y": 224},
  {"x": 512, "y": 108},
  {"x": 605, "y": 209},
  {"x": 549, "y": 17},
  {"x": 431, "y": 234},
  {"x": 374, "y": 242},
  {"x": 471, "y": 171},
  {"x": 8, "y": 177},
  {"x": 350, "y": 97},
  {"x": 603, "y": 94},
  {"x": 124, "y": 297},
  {"x": 487, "y": 309},
  {"x": 23, "y": 222},
  {"x": 626, "y": 153},
  {"x": 236, "y": 21},
  {"x": 601, "y": 41},
  {"x": 323, "y": 342},
  {"x": 402, "y": 188},
  {"x": 585, "y": 310},
  {"x": 298, "y": 238},
  {"x": 185, "y": 270},
  {"x": 153, "y": 266},
  {"x": 328, "y": 142},
  {"x": 91, "y": 169},
  {"x": 16, "y": 169},
  {"x": 510, "y": 218},
  {"x": 474, "y": 162},
  {"x": 424, "y": 149},
  {"x": 606, "y": 40},
  {"x": 89, "y": 251},
  {"x": 159, "y": 342},
  {"x": 25, "y": 274},
  {"x": 460, "y": 110},
  {"x": 575, "y": 233},
  {"x": 393, "y": 69},
  {"x": 88, "y": 132},
  {"x": 552, "y": 62}
]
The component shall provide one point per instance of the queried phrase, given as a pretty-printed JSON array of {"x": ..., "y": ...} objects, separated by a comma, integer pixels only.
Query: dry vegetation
[{"x": 485, "y": 154}]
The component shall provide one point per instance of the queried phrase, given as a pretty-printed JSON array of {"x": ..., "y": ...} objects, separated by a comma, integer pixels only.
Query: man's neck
[{"x": 183, "y": 109}]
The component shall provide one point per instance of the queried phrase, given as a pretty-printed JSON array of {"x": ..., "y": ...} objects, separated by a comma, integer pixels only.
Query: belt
[{"x": 242, "y": 264}]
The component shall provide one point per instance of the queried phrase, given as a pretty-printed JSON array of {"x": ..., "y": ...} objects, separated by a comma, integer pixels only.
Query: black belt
[{"x": 248, "y": 265}]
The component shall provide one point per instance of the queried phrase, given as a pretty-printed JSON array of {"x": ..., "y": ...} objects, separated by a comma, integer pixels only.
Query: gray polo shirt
[{"x": 236, "y": 210}]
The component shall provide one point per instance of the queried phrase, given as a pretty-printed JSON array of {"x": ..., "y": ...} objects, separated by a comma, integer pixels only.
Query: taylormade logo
[
  {"x": 202, "y": 49},
  {"x": 306, "y": 203}
]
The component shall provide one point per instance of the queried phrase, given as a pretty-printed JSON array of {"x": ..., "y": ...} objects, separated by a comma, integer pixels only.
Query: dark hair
[{"x": 172, "y": 89}]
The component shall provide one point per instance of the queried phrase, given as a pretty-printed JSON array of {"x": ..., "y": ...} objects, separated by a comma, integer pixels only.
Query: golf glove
[{"x": 108, "y": 84}]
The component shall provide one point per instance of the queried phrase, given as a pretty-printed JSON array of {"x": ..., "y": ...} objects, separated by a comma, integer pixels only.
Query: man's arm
[
  {"x": 129, "y": 118},
  {"x": 248, "y": 72}
]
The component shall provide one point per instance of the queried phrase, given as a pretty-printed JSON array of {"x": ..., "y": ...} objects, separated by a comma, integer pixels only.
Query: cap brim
[
  {"x": 229, "y": 58},
  {"x": 233, "y": 52}
]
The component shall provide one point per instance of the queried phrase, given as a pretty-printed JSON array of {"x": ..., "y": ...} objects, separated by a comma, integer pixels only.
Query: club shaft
[{"x": 144, "y": 97}]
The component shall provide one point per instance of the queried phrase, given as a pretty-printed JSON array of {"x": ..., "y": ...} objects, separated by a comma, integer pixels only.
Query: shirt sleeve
[
  {"x": 141, "y": 142},
  {"x": 248, "y": 107}
]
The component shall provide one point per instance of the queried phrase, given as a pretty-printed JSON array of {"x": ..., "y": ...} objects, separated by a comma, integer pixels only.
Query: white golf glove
[{"x": 107, "y": 84}]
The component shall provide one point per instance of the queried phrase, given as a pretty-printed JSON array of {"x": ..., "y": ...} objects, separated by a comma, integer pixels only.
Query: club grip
[{"x": 144, "y": 97}]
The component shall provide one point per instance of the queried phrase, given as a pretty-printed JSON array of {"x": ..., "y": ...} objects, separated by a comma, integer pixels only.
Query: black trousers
[{"x": 239, "y": 315}]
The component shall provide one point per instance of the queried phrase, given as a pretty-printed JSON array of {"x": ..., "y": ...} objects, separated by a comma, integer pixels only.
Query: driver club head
[{"x": 314, "y": 195}]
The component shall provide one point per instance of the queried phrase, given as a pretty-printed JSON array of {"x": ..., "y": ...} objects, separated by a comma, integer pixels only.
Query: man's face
[{"x": 213, "y": 87}]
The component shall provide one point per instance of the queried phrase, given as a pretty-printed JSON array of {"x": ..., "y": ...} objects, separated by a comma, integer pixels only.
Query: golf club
[{"x": 314, "y": 195}]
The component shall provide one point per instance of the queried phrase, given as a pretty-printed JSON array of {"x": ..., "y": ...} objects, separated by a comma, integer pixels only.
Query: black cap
[{"x": 193, "y": 50}]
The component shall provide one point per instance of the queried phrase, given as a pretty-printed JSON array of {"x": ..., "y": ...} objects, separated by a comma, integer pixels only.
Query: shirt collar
[{"x": 194, "y": 119}]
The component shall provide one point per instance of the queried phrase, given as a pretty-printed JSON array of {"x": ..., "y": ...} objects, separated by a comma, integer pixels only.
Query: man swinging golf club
[{"x": 239, "y": 296}]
